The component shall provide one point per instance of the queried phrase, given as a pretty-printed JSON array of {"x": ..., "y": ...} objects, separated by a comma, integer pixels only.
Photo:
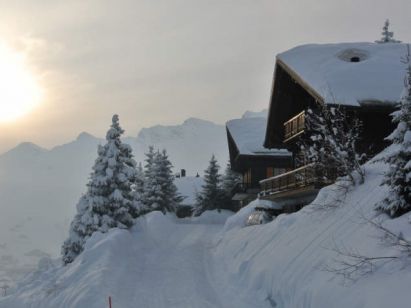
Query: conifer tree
[
  {"x": 109, "y": 200},
  {"x": 139, "y": 186},
  {"x": 398, "y": 177},
  {"x": 160, "y": 192},
  {"x": 153, "y": 194},
  {"x": 230, "y": 180},
  {"x": 171, "y": 197},
  {"x": 139, "y": 189},
  {"x": 212, "y": 195},
  {"x": 332, "y": 143},
  {"x": 387, "y": 35}
]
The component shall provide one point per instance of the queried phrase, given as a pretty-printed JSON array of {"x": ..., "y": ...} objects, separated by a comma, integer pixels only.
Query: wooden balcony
[
  {"x": 294, "y": 126},
  {"x": 307, "y": 176}
]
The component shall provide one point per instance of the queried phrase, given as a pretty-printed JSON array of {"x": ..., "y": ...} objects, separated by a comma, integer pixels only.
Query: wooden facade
[
  {"x": 290, "y": 97},
  {"x": 253, "y": 169}
]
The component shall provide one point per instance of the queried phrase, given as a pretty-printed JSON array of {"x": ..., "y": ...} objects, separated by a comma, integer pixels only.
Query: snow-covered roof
[
  {"x": 331, "y": 71},
  {"x": 248, "y": 135}
]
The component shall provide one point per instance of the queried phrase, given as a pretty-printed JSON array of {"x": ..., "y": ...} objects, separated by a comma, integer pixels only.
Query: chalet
[
  {"x": 364, "y": 78},
  {"x": 249, "y": 158}
]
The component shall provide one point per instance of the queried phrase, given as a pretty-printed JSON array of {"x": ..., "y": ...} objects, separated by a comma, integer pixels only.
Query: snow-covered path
[
  {"x": 177, "y": 270},
  {"x": 160, "y": 263},
  {"x": 173, "y": 271}
]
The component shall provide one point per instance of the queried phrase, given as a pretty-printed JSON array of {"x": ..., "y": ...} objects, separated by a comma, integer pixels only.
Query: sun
[{"x": 19, "y": 90}]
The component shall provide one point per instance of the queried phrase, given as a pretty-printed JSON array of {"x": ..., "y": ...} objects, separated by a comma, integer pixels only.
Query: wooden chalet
[
  {"x": 249, "y": 158},
  {"x": 366, "y": 79}
]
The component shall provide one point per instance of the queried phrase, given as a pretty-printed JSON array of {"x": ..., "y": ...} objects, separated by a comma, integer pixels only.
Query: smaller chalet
[
  {"x": 365, "y": 79},
  {"x": 249, "y": 158}
]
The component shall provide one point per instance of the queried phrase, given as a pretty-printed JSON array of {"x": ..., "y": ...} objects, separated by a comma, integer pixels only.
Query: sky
[{"x": 163, "y": 61}]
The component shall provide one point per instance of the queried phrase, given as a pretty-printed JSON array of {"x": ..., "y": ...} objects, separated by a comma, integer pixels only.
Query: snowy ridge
[
  {"x": 198, "y": 263},
  {"x": 255, "y": 114}
]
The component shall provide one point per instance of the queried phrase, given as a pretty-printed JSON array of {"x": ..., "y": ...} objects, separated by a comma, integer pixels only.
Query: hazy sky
[{"x": 162, "y": 61}]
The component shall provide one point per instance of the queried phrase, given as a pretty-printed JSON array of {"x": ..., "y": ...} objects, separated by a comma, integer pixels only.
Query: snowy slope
[
  {"x": 164, "y": 262},
  {"x": 160, "y": 263},
  {"x": 289, "y": 260}
]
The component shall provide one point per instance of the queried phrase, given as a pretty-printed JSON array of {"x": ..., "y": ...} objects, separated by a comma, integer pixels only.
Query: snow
[
  {"x": 255, "y": 114},
  {"x": 189, "y": 145},
  {"x": 200, "y": 262},
  {"x": 377, "y": 78},
  {"x": 38, "y": 219},
  {"x": 240, "y": 218},
  {"x": 189, "y": 187},
  {"x": 160, "y": 263},
  {"x": 248, "y": 134}
]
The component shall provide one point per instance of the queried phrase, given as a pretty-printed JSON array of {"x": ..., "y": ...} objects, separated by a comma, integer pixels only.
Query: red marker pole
[{"x": 109, "y": 302}]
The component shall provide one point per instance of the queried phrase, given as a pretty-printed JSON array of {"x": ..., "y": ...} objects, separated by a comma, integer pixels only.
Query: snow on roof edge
[{"x": 376, "y": 79}]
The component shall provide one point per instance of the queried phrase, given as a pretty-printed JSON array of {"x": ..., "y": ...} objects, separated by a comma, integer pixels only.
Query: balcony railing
[
  {"x": 298, "y": 178},
  {"x": 294, "y": 126}
]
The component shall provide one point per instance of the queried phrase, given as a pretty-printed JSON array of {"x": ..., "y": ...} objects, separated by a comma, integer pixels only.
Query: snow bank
[
  {"x": 239, "y": 219},
  {"x": 161, "y": 262},
  {"x": 211, "y": 217},
  {"x": 292, "y": 262}
]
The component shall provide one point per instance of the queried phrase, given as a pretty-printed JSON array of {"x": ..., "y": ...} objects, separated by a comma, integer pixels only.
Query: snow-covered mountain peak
[
  {"x": 28, "y": 146},
  {"x": 25, "y": 149},
  {"x": 84, "y": 136},
  {"x": 255, "y": 114},
  {"x": 198, "y": 122}
]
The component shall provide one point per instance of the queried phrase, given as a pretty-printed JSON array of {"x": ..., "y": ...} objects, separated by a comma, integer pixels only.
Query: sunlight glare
[{"x": 19, "y": 91}]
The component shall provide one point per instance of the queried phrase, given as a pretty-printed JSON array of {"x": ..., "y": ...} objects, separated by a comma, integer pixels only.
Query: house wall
[
  {"x": 376, "y": 126},
  {"x": 288, "y": 98},
  {"x": 253, "y": 176}
]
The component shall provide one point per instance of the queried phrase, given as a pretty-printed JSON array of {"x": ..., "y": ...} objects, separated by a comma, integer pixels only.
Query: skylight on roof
[{"x": 353, "y": 55}]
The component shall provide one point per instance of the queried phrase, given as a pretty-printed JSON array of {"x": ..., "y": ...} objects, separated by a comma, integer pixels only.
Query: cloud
[{"x": 206, "y": 58}]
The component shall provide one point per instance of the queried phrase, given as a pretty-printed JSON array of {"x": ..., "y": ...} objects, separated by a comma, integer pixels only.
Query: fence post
[{"x": 109, "y": 302}]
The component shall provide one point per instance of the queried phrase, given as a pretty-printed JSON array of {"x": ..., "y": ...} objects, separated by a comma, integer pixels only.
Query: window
[{"x": 247, "y": 177}]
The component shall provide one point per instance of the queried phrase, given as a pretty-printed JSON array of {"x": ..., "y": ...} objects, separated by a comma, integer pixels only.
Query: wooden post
[{"x": 109, "y": 302}]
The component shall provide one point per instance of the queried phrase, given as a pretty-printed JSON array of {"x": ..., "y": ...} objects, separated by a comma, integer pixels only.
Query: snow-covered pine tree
[
  {"x": 109, "y": 200},
  {"x": 212, "y": 195},
  {"x": 387, "y": 35},
  {"x": 230, "y": 180},
  {"x": 149, "y": 166},
  {"x": 138, "y": 189},
  {"x": 332, "y": 143},
  {"x": 398, "y": 177},
  {"x": 170, "y": 196},
  {"x": 139, "y": 186},
  {"x": 153, "y": 195}
]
